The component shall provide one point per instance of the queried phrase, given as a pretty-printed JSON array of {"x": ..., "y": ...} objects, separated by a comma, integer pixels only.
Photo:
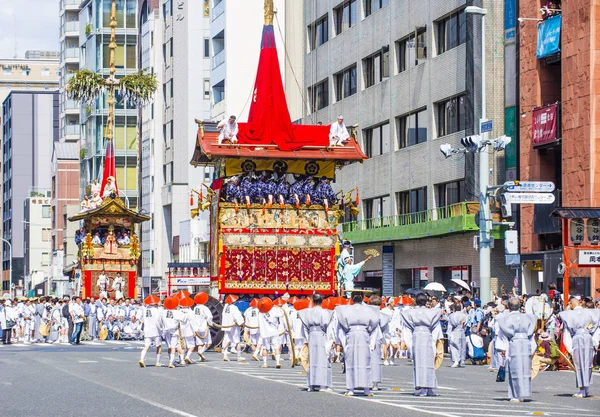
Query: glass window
[
  {"x": 377, "y": 140},
  {"x": 451, "y": 31},
  {"x": 411, "y": 53},
  {"x": 130, "y": 14},
  {"x": 450, "y": 193},
  {"x": 412, "y": 201},
  {"x": 106, "y": 12},
  {"x": 120, "y": 177},
  {"x": 131, "y": 178},
  {"x": 131, "y": 57},
  {"x": 206, "y": 48},
  {"x": 319, "y": 96},
  {"x": 412, "y": 129},
  {"x": 452, "y": 115},
  {"x": 345, "y": 83},
  {"x": 377, "y": 67},
  {"x": 371, "y": 6},
  {"x": 345, "y": 16},
  {"x": 318, "y": 32},
  {"x": 46, "y": 211}
]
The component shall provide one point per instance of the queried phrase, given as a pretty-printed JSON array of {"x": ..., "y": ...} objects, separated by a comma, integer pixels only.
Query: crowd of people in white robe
[{"x": 365, "y": 334}]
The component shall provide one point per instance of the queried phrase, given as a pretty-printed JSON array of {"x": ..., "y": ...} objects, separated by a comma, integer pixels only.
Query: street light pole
[
  {"x": 10, "y": 284},
  {"x": 484, "y": 180}
]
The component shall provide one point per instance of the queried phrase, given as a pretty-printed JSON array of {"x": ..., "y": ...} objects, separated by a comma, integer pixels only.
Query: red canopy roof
[
  {"x": 269, "y": 119},
  {"x": 208, "y": 149}
]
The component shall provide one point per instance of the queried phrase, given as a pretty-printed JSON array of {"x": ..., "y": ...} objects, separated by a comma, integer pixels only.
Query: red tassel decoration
[
  {"x": 191, "y": 199},
  {"x": 201, "y": 195},
  {"x": 357, "y": 199},
  {"x": 308, "y": 199}
]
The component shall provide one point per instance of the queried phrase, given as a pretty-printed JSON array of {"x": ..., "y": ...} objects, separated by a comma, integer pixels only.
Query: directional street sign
[
  {"x": 529, "y": 186},
  {"x": 485, "y": 126},
  {"x": 529, "y": 198}
]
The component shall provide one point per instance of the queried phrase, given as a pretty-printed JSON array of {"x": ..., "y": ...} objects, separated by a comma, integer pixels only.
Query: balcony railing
[
  {"x": 218, "y": 59},
  {"x": 450, "y": 219},
  {"x": 72, "y": 53},
  {"x": 72, "y": 130},
  {"x": 218, "y": 10},
  {"x": 71, "y": 2},
  {"x": 72, "y": 26}
]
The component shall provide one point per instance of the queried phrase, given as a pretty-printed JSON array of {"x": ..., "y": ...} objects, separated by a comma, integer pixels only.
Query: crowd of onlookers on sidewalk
[{"x": 50, "y": 320}]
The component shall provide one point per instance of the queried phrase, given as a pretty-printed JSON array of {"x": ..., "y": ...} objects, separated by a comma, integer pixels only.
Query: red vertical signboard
[{"x": 545, "y": 125}]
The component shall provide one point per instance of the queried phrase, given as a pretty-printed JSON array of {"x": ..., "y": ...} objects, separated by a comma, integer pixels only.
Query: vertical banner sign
[
  {"x": 549, "y": 37},
  {"x": 510, "y": 154},
  {"x": 544, "y": 126},
  {"x": 510, "y": 21},
  {"x": 387, "y": 279}
]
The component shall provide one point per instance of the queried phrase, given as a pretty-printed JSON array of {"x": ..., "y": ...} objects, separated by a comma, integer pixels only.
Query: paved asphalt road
[{"x": 104, "y": 379}]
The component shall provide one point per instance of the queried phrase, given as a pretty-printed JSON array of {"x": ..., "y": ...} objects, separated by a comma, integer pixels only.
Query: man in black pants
[{"x": 67, "y": 314}]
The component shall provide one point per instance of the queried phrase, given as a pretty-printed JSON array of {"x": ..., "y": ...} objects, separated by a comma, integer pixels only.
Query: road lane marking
[
  {"x": 128, "y": 394},
  {"x": 88, "y": 361},
  {"x": 113, "y": 359}
]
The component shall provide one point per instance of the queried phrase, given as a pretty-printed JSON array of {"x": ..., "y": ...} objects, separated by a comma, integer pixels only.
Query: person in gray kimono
[
  {"x": 456, "y": 335},
  {"x": 39, "y": 307},
  {"x": 93, "y": 318},
  {"x": 581, "y": 337},
  {"x": 356, "y": 323},
  {"x": 377, "y": 340},
  {"x": 315, "y": 322},
  {"x": 515, "y": 338},
  {"x": 421, "y": 332}
]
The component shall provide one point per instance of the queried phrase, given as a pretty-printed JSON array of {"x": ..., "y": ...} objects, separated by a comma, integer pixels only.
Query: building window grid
[
  {"x": 410, "y": 52},
  {"x": 319, "y": 32},
  {"x": 452, "y": 115},
  {"x": 377, "y": 140},
  {"x": 377, "y": 67},
  {"x": 411, "y": 206},
  {"x": 377, "y": 211},
  {"x": 371, "y": 6},
  {"x": 450, "y": 193},
  {"x": 319, "y": 96},
  {"x": 345, "y": 15},
  {"x": 345, "y": 83},
  {"x": 412, "y": 128},
  {"x": 451, "y": 31}
]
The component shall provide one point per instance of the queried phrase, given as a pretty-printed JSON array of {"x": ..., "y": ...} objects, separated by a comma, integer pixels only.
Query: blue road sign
[{"x": 485, "y": 126}]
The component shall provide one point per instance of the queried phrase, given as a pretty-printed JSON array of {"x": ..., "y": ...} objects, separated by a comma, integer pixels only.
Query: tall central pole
[
  {"x": 111, "y": 79},
  {"x": 269, "y": 12},
  {"x": 484, "y": 181}
]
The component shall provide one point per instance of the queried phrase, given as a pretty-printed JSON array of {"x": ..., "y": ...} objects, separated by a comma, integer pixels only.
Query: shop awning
[{"x": 576, "y": 212}]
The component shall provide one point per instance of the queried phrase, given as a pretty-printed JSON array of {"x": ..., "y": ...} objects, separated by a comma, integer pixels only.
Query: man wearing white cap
[
  {"x": 228, "y": 129},
  {"x": 338, "y": 134}
]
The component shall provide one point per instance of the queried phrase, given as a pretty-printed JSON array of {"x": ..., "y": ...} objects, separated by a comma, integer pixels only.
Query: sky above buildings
[{"x": 33, "y": 24}]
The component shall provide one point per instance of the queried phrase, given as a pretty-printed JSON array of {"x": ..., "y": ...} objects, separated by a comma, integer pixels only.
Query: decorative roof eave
[
  {"x": 576, "y": 212},
  {"x": 207, "y": 151},
  {"x": 111, "y": 207}
]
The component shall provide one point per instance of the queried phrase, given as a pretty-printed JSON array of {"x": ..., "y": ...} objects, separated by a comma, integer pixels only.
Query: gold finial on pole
[
  {"x": 111, "y": 78},
  {"x": 269, "y": 12}
]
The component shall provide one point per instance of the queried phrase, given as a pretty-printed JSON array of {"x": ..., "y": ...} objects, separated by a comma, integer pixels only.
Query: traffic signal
[
  {"x": 501, "y": 142},
  {"x": 446, "y": 149},
  {"x": 505, "y": 206},
  {"x": 471, "y": 143}
]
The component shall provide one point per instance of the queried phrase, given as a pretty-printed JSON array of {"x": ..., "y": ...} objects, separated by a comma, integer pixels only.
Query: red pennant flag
[{"x": 109, "y": 168}]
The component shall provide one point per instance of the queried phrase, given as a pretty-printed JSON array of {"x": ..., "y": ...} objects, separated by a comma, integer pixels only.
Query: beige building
[{"x": 24, "y": 74}]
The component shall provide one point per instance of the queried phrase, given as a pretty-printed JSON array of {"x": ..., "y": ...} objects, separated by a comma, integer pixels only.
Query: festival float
[
  {"x": 109, "y": 241},
  {"x": 279, "y": 244}
]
